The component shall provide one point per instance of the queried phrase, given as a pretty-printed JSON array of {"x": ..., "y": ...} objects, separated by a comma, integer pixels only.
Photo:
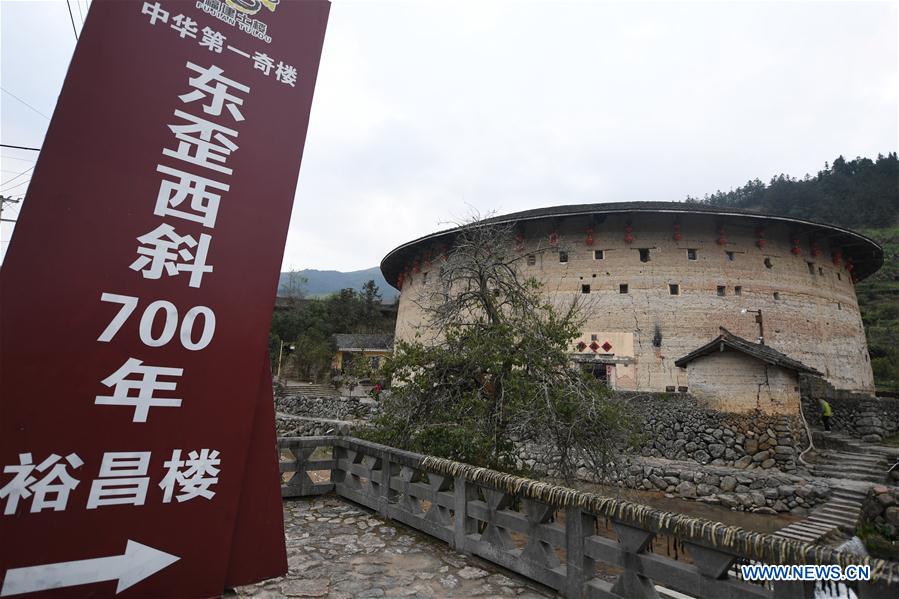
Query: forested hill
[{"x": 857, "y": 194}]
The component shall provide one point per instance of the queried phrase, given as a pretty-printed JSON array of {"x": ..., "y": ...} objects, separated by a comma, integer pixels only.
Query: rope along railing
[{"x": 549, "y": 533}]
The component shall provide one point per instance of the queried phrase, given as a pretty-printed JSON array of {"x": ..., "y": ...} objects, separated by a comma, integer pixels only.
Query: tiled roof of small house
[{"x": 758, "y": 351}]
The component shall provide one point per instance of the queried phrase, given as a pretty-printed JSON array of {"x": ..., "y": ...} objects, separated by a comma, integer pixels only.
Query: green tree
[
  {"x": 500, "y": 373},
  {"x": 371, "y": 300},
  {"x": 310, "y": 324},
  {"x": 851, "y": 193}
]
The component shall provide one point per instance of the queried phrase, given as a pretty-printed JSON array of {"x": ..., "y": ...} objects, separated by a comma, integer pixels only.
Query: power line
[
  {"x": 80, "y": 16},
  {"x": 17, "y": 176},
  {"x": 69, "y": 6},
  {"x": 20, "y": 147},
  {"x": 25, "y": 103},
  {"x": 8, "y": 157},
  {"x": 25, "y": 182},
  {"x": 4, "y": 201}
]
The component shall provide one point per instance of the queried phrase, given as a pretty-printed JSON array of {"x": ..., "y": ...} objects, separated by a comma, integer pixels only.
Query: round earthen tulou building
[{"x": 677, "y": 291}]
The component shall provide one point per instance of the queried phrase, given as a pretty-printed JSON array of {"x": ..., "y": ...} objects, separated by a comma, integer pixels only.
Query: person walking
[{"x": 826, "y": 413}]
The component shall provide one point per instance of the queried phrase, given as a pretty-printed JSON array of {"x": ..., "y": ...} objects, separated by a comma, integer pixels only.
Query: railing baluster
[
  {"x": 386, "y": 495},
  {"x": 630, "y": 582},
  {"x": 579, "y": 568},
  {"x": 463, "y": 492}
]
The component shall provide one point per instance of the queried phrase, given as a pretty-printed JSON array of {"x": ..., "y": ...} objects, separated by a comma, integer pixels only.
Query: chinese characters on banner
[{"x": 137, "y": 442}]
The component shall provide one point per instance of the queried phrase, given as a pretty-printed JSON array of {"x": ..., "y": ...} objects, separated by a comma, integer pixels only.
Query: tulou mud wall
[{"x": 665, "y": 292}]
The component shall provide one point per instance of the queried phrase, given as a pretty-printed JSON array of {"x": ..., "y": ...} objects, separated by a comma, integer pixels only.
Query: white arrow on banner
[{"x": 137, "y": 563}]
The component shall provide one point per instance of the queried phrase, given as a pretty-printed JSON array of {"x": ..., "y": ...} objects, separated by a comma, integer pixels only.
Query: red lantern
[
  {"x": 722, "y": 240},
  {"x": 553, "y": 239},
  {"x": 589, "y": 240},
  {"x": 628, "y": 234},
  {"x": 816, "y": 250},
  {"x": 677, "y": 235},
  {"x": 837, "y": 257},
  {"x": 795, "y": 250},
  {"x": 760, "y": 243},
  {"x": 519, "y": 242}
]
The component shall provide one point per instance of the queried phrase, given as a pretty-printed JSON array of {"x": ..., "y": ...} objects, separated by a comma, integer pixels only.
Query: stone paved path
[{"x": 339, "y": 550}]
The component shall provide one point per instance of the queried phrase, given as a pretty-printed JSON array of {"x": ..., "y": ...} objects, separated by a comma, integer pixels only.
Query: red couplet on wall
[{"x": 136, "y": 296}]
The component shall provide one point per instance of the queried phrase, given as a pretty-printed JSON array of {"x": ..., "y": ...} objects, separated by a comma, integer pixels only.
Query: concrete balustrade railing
[{"x": 549, "y": 533}]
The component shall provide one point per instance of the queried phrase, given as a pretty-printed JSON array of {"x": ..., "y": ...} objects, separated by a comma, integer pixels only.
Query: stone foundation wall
[
  {"x": 878, "y": 523},
  {"x": 740, "y": 490},
  {"x": 337, "y": 408},
  {"x": 869, "y": 418},
  {"x": 679, "y": 427},
  {"x": 298, "y": 426}
]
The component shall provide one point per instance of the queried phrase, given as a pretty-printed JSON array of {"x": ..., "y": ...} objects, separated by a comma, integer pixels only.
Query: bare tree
[{"x": 499, "y": 374}]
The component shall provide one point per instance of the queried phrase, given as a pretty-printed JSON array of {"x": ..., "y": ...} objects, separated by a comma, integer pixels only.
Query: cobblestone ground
[{"x": 340, "y": 550}]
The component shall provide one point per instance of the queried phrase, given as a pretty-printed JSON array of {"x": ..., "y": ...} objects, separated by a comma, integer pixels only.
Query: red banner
[{"x": 136, "y": 296}]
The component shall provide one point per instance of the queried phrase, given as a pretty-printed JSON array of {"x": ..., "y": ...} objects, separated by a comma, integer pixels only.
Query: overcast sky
[{"x": 424, "y": 111}]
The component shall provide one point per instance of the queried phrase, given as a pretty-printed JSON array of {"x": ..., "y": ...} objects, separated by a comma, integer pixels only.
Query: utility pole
[
  {"x": 3, "y": 202},
  {"x": 290, "y": 349}
]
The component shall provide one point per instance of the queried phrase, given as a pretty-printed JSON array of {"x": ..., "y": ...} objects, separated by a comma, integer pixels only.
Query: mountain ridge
[{"x": 321, "y": 283}]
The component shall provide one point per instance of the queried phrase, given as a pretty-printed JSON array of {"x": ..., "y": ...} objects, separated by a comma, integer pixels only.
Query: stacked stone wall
[
  {"x": 300, "y": 426},
  {"x": 739, "y": 490},
  {"x": 878, "y": 523},
  {"x": 306, "y": 416},
  {"x": 337, "y": 408},
  {"x": 866, "y": 417},
  {"x": 678, "y": 427}
]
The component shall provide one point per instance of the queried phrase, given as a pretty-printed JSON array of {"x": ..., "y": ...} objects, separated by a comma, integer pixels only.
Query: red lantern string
[
  {"x": 837, "y": 257},
  {"x": 589, "y": 240},
  {"x": 816, "y": 250},
  {"x": 722, "y": 240},
  {"x": 628, "y": 233},
  {"x": 553, "y": 239},
  {"x": 795, "y": 250},
  {"x": 677, "y": 235},
  {"x": 760, "y": 234}
]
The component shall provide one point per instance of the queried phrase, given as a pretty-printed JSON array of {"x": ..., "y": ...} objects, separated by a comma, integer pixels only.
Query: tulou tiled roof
[
  {"x": 865, "y": 253},
  {"x": 758, "y": 351}
]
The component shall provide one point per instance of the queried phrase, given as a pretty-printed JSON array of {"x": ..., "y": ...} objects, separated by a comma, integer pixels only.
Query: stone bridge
[{"x": 578, "y": 544}]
